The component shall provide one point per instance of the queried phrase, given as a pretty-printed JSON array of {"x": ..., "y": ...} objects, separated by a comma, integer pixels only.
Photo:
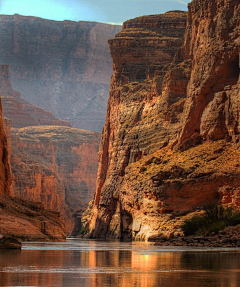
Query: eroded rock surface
[
  {"x": 56, "y": 166},
  {"x": 171, "y": 137},
  {"x": 63, "y": 67},
  {"x": 26, "y": 220},
  {"x": 5, "y": 170},
  {"x": 21, "y": 219}
]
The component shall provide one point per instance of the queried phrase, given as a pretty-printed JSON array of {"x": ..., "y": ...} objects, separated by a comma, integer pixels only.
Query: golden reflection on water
[
  {"x": 145, "y": 263},
  {"x": 119, "y": 268}
]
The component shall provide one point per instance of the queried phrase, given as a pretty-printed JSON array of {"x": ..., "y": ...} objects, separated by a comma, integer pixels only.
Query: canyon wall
[
  {"x": 56, "y": 166},
  {"x": 5, "y": 170},
  {"x": 21, "y": 112},
  {"x": 63, "y": 67},
  {"x": 170, "y": 143},
  {"x": 22, "y": 219},
  {"x": 29, "y": 221},
  {"x": 52, "y": 164}
]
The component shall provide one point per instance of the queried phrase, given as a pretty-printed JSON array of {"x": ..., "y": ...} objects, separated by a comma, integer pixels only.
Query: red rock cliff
[
  {"x": 22, "y": 219},
  {"x": 63, "y": 67},
  {"x": 212, "y": 45},
  {"x": 27, "y": 220},
  {"x": 5, "y": 171},
  {"x": 56, "y": 166},
  {"x": 171, "y": 137}
]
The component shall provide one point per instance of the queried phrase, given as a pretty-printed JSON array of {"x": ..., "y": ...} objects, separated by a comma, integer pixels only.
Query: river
[{"x": 80, "y": 263}]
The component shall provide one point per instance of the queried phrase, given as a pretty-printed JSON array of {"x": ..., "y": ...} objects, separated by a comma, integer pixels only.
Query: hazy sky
[{"x": 108, "y": 11}]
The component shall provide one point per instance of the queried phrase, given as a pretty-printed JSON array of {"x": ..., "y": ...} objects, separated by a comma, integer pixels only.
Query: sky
[{"x": 106, "y": 11}]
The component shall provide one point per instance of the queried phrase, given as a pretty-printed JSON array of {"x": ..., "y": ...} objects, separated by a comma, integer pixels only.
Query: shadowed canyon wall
[
  {"x": 22, "y": 219},
  {"x": 63, "y": 67},
  {"x": 55, "y": 165},
  {"x": 5, "y": 170},
  {"x": 21, "y": 112},
  {"x": 171, "y": 138}
]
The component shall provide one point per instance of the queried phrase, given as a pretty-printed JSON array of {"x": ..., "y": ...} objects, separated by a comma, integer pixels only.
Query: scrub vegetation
[{"x": 214, "y": 219}]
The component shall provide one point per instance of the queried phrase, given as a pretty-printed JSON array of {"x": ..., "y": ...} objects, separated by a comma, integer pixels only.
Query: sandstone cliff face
[
  {"x": 22, "y": 219},
  {"x": 171, "y": 137},
  {"x": 212, "y": 45},
  {"x": 27, "y": 220},
  {"x": 63, "y": 67},
  {"x": 56, "y": 166},
  {"x": 5, "y": 171},
  {"x": 20, "y": 112}
]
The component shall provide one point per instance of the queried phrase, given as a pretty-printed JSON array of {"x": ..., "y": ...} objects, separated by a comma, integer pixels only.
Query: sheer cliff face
[
  {"x": 212, "y": 44},
  {"x": 22, "y": 219},
  {"x": 56, "y": 166},
  {"x": 171, "y": 137},
  {"x": 5, "y": 171},
  {"x": 136, "y": 122},
  {"x": 63, "y": 67}
]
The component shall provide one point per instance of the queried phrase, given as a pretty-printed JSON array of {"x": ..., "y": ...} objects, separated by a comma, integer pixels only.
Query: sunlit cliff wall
[{"x": 171, "y": 137}]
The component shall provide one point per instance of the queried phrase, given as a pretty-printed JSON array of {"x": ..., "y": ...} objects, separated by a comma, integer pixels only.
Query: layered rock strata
[
  {"x": 5, "y": 170},
  {"x": 171, "y": 137},
  {"x": 56, "y": 166},
  {"x": 28, "y": 221},
  {"x": 63, "y": 67},
  {"x": 18, "y": 218},
  {"x": 212, "y": 45}
]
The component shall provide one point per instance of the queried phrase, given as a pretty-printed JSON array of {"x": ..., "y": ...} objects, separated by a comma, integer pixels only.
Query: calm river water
[{"x": 99, "y": 264}]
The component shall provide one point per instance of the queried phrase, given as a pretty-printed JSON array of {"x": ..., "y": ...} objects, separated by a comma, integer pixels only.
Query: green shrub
[
  {"x": 191, "y": 226},
  {"x": 215, "y": 218},
  {"x": 83, "y": 230}
]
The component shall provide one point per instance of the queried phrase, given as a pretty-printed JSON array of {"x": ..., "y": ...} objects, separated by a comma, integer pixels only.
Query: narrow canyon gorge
[
  {"x": 20, "y": 218},
  {"x": 171, "y": 139},
  {"x": 53, "y": 165}
]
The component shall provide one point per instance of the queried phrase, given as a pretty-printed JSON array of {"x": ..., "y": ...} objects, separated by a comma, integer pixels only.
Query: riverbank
[{"x": 229, "y": 237}]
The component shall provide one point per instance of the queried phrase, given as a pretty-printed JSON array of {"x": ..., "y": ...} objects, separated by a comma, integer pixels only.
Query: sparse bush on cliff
[
  {"x": 83, "y": 230},
  {"x": 214, "y": 219}
]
